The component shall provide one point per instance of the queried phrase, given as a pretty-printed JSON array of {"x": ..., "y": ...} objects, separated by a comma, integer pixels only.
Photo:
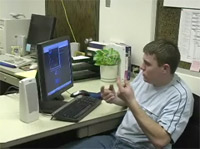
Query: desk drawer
[
  {"x": 9, "y": 79},
  {"x": 99, "y": 127}
]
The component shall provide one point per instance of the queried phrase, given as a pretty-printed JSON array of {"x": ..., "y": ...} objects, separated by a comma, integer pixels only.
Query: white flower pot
[{"x": 109, "y": 73}]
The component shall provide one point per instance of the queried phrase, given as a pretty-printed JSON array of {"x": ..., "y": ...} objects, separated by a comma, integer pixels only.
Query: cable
[
  {"x": 11, "y": 90},
  {"x": 68, "y": 92},
  {"x": 66, "y": 16}
]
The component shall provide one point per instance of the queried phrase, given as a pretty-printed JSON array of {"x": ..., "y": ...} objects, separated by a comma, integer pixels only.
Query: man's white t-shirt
[{"x": 171, "y": 106}]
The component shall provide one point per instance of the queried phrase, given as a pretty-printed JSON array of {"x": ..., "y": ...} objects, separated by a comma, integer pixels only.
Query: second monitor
[{"x": 41, "y": 29}]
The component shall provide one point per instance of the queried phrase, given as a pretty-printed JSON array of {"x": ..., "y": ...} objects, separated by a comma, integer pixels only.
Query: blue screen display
[{"x": 57, "y": 66}]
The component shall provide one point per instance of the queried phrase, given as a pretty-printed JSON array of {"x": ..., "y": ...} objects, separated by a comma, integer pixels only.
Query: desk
[
  {"x": 14, "y": 132},
  {"x": 8, "y": 75}
]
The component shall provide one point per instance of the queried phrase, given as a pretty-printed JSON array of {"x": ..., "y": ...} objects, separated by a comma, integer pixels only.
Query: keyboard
[
  {"x": 77, "y": 109},
  {"x": 14, "y": 61}
]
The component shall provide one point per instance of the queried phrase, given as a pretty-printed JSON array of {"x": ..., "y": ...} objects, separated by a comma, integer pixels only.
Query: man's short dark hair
[{"x": 165, "y": 52}]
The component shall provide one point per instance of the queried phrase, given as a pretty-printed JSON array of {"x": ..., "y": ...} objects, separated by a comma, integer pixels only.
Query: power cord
[
  {"x": 67, "y": 19},
  {"x": 68, "y": 93},
  {"x": 11, "y": 90}
]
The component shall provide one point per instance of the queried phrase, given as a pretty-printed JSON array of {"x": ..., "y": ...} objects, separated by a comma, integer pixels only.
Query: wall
[
  {"x": 167, "y": 27},
  {"x": 82, "y": 16},
  {"x": 129, "y": 21},
  {"x": 26, "y": 7},
  {"x": 133, "y": 22},
  {"x": 192, "y": 79}
]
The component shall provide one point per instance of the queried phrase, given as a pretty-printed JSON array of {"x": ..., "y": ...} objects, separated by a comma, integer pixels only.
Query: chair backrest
[{"x": 191, "y": 135}]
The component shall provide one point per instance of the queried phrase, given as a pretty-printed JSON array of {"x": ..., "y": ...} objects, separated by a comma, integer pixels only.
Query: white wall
[
  {"x": 192, "y": 79},
  {"x": 128, "y": 21},
  {"x": 26, "y": 7}
]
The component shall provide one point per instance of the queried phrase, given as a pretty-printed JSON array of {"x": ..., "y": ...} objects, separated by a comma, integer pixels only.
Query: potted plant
[{"x": 108, "y": 60}]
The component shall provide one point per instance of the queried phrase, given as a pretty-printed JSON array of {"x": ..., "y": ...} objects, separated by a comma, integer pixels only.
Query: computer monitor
[
  {"x": 41, "y": 29},
  {"x": 54, "y": 74}
]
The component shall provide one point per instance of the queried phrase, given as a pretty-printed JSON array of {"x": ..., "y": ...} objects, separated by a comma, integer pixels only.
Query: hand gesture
[
  {"x": 109, "y": 95},
  {"x": 125, "y": 91}
]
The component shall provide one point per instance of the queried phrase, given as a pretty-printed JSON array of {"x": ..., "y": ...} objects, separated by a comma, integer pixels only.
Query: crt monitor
[
  {"x": 41, "y": 29},
  {"x": 54, "y": 74}
]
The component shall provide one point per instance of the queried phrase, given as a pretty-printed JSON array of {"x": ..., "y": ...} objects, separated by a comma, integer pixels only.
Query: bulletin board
[{"x": 167, "y": 26}]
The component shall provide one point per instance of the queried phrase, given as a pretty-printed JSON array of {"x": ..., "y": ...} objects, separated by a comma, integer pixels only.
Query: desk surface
[{"x": 13, "y": 131}]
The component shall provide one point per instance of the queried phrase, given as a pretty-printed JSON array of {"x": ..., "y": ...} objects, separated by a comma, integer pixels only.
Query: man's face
[{"x": 152, "y": 73}]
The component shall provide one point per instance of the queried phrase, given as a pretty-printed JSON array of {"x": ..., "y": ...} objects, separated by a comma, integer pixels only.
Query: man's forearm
[
  {"x": 157, "y": 135},
  {"x": 119, "y": 102}
]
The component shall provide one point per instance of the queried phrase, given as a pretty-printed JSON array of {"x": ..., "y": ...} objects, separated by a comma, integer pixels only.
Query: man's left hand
[{"x": 125, "y": 91}]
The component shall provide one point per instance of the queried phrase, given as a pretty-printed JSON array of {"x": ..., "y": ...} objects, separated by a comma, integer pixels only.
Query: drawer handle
[{"x": 4, "y": 78}]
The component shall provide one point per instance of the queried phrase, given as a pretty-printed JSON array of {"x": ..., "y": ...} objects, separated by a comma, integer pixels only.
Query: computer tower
[{"x": 13, "y": 32}]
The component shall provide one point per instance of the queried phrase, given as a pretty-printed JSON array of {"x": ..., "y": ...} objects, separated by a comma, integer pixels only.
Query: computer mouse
[
  {"x": 33, "y": 66},
  {"x": 80, "y": 92}
]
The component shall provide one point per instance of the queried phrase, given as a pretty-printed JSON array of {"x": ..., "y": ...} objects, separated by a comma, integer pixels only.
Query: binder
[
  {"x": 127, "y": 60},
  {"x": 94, "y": 46},
  {"x": 124, "y": 71}
]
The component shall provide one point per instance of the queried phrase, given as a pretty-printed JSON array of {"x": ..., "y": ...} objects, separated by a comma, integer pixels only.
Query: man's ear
[{"x": 166, "y": 68}]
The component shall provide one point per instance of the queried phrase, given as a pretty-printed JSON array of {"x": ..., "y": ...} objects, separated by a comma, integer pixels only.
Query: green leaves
[{"x": 106, "y": 56}]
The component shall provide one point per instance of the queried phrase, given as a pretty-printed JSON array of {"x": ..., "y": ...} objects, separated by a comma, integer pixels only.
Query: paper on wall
[{"x": 189, "y": 35}]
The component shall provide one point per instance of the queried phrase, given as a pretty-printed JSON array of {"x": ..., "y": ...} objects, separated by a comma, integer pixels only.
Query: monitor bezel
[{"x": 41, "y": 74}]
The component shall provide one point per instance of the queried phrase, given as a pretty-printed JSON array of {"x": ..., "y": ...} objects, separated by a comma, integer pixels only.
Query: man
[{"x": 159, "y": 103}]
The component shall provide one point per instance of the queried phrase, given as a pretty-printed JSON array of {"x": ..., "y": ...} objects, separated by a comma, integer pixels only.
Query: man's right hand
[{"x": 109, "y": 95}]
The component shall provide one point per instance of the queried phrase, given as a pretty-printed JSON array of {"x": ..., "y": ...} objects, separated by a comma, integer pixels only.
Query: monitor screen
[
  {"x": 41, "y": 29},
  {"x": 54, "y": 68}
]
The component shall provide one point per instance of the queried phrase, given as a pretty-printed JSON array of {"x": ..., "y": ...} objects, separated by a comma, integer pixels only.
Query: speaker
[
  {"x": 21, "y": 42},
  {"x": 28, "y": 104}
]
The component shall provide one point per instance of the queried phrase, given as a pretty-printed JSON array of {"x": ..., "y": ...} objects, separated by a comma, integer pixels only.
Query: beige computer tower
[{"x": 13, "y": 32}]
